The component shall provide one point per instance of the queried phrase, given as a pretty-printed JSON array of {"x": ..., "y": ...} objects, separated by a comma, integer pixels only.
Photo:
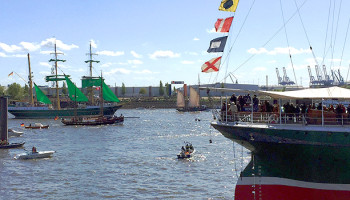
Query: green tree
[
  {"x": 2, "y": 90},
  {"x": 166, "y": 89},
  {"x": 15, "y": 91},
  {"x": 26, "y": 91},
  {"x": 123, "y": 89},
  {"x": 142, "y": 91},
  {"x": 64, "y": 89},
  {"x": 161, "y": 89}
]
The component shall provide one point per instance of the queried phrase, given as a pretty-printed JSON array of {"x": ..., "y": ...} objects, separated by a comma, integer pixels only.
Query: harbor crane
[{"x": 285, "y": 80}]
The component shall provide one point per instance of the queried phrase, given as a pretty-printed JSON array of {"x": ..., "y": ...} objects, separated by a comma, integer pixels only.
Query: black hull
[
  {"x": 29, "y": 113},
  {"x": 12, "y": 145}
]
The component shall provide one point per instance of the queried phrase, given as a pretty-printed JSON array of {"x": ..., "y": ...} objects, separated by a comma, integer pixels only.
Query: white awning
[{"x": 311, "y": 93}]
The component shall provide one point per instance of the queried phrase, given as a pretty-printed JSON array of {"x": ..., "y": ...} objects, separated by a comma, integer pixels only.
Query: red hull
[{"x": 306, "y": 191}]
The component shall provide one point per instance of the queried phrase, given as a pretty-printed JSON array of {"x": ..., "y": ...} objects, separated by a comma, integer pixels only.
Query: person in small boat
[
  {"x": 34, "y": 150},
  {"x": 183, "y": 149}
]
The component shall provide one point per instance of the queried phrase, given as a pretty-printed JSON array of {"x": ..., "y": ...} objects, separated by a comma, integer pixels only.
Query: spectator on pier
[
  {"x": 319, "y": 107},
  {"x": 255, "y": 104},
  {"x": 234, "y": 110},
  {"x": 241, "y": 103},
  {"x": 224, "y": 107},
  {"x": 233, "y": 99}
]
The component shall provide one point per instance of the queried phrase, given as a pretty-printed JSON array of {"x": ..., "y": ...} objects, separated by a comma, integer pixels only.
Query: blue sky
[{"x": 142, "y": 42}]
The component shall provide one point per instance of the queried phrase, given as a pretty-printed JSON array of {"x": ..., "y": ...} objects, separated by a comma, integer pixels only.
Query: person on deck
[{"x": 34, "y": 150}]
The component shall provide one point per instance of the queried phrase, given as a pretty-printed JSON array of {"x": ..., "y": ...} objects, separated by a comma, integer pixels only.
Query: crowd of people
[{"x": 244, "y": 103}]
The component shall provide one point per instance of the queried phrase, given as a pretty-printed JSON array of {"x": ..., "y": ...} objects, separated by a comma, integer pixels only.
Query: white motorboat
[
  {"x": 35, "y": 155},
  {"x": 14, "y": 133}
]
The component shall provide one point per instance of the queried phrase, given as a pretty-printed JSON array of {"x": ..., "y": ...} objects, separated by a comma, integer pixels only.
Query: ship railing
[
  {"x": 216, "y": 115},
  {"x": 285, "y": 118}
]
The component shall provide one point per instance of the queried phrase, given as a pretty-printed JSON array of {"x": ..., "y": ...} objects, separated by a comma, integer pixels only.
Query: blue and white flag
[{"x": 217, "y": 45}]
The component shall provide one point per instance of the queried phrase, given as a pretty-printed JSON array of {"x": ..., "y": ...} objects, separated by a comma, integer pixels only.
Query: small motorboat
[
  {"x": 37, "y": 126},
  {"x": 186, "y": 152},
  {"x": 11, "y": 145},
  {"x": 14, "y": 133},
  {"x": 34, "y": 155}
]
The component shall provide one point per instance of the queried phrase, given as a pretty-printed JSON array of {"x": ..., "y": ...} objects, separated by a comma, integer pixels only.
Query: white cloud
[
  {"x": 135, "y": 62},
  {"x": 211, "y": 30},
  {"x": 195, "y": 39},
  {"x": 186, "y": 62},
  {"x": 135, "y": 54},
  {"x": 93, "y": 44},
  {"x": 20, "y": 55},
  {"x": 78, "y": 70},
  {"x": 105, "y": 65},
  {"x": 278, "y": 50},
  {"x": 45, "y": 52},
  {"x": 145, "y": 71},
  {"x": 45, "y": 73},
  {"x": 164, "y": 54},
  {"x": 3, "y": 54},
  {"x": 45, "y": 64},
  {"x": 111, "y": 53},
  {"x": 9, "y": 48},
  {"x": 30, "y": 46},
  {"x": 51, "y": 41},
  {"x": 118, "y": 70},
  {"x": 192, "y": 53}
]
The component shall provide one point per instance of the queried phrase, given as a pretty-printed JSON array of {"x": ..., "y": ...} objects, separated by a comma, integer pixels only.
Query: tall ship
[
  {"x": 192, "y": 105},
  {"x": 31, "y": 111},
  {"x": 294, "y": 155},
  {"x": 298, "y": 140}
]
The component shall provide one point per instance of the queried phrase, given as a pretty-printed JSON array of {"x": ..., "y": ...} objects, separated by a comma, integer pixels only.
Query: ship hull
[
  {"x": 273, "y": 188},
  {"x": 301, "y": 162},
  {"x": 33, "y": 113}
]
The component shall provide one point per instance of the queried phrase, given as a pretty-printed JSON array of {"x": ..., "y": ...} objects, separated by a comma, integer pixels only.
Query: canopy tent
[{"x": 310, "y": 93}]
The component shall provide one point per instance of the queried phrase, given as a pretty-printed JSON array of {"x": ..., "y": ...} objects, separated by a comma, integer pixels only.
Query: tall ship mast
[
  {"x": 90, "y": 61},
  {"x": 58, "y": 106},
  {"x": 75, "y": 95},
  {"x": 30, "y": 76}
]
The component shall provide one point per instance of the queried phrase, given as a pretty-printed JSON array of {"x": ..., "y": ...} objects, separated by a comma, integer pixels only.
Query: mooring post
[{"x": 3, "y": 119}]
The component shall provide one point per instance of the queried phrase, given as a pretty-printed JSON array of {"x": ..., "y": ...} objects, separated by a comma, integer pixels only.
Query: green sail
[
  {"x": 40, "y": 96},
  {"x": 74, "y": 93},
  {"x": 108, "y": 95}
]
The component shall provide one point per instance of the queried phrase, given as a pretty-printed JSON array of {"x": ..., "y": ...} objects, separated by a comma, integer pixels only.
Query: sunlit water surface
[{"x": 136, "y": 160}]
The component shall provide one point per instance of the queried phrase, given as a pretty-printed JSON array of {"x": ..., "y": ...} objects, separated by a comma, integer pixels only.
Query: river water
[{"x": 136, "y": 160}]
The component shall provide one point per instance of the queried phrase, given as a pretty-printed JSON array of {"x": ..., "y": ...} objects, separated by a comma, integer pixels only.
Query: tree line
[
  {"x": 16, "y": 92},
  {"x": 163, "y": 90}
]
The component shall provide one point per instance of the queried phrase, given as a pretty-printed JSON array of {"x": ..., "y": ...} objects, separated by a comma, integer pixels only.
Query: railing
[{"x": 312, "y": 118}]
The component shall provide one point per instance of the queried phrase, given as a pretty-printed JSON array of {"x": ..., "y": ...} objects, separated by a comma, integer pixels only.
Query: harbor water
[{"x": 136, "y": 160}]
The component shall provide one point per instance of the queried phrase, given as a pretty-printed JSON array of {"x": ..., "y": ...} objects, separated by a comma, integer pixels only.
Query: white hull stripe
[{"x": 292, "y": 183}]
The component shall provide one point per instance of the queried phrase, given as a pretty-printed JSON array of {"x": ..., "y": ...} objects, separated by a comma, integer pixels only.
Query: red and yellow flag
[{"x": 10, "y": 74}]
